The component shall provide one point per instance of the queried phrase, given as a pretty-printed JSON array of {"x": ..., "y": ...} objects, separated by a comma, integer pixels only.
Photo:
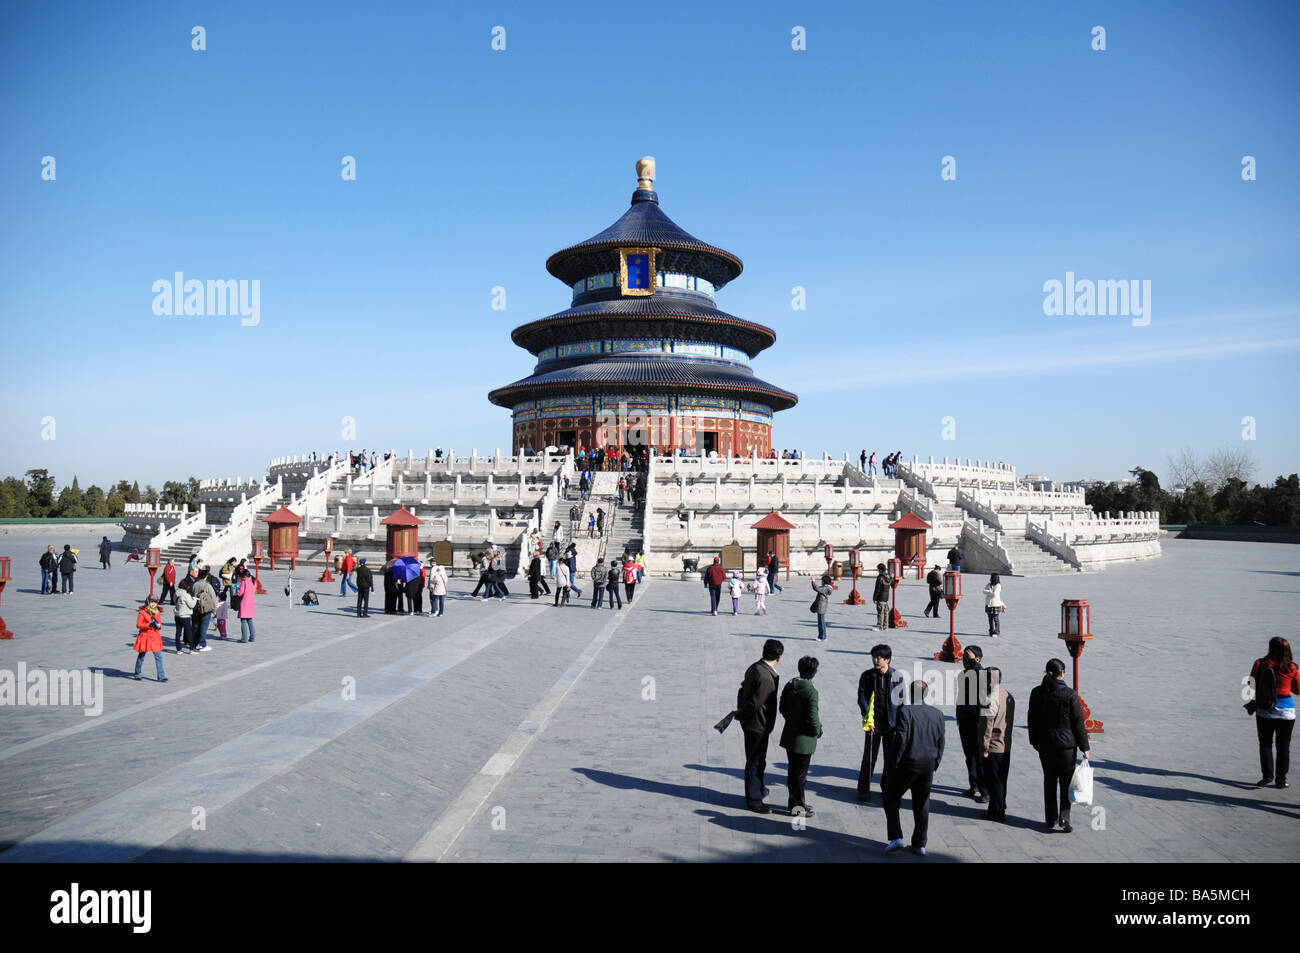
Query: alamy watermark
[
  {"x": 213, "y": 297},
  {"x": 38, "y": 688},
  {"x": 1103, "y": 297}
]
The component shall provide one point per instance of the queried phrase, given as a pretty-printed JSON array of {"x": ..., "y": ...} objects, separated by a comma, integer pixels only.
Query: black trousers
[
  {"x": 934, "y": 604},
  {"x": 390, "y": 600},
  {"x": 996, "y": 767},
  {"x": 363, "y": 602},
  {"x": 968, "y": 729},
  {"x": 871, "y": 746},
  {"x": 916, "y": 779},
  {"x": 562, "y": 595},
  {"x": 797, "y": 778},
  {"x": 1269, "y": 729},
  {"x": 629, "y": 588},
  {"x": 1058, "y": 769},
  {"x": 755, "y": 765},
  {"x": 482, "y": 581},
  {"x": 166, "y": 588}
]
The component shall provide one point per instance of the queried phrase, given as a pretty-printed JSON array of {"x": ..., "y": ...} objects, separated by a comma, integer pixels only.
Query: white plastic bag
[{"x": 1081, "y": 783}]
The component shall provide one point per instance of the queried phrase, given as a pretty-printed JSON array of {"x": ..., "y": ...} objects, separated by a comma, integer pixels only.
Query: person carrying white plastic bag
[{"x": 1056, "y": 731}]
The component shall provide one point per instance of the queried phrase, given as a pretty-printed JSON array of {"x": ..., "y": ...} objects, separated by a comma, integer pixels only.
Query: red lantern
[
  {"x": 329, "y": 552},
  {"x": 951, "y": 651},
  {"x": 855, "y": 564},
  {"x": 259, "y": 553},
  {"x": 5, "y": 577},
  {"x": 152, "y": 561},
  {"x": 1076, "y": 632}
]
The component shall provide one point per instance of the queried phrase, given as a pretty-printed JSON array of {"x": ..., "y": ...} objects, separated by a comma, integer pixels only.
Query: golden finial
[{"x": 645, "y": 173}]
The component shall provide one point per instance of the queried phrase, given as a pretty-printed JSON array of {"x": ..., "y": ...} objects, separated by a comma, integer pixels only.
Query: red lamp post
[
  {"x": 1076, "y": 632},
  {"x": 259, "y": 553},
  {"x": 5, "y": 577},
  {"x": 830, "y": 558},
  {"x": 951, "y": 651},
  {"x": 152, "y": 561},
  {"x": 855, "y": 566},
  {"x": 329, "y": 553},
  {"x": 895, "y": 574}
]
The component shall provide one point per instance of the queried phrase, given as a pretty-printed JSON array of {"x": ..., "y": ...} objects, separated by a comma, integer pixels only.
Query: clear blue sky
[{"x": 819, "y": 168}]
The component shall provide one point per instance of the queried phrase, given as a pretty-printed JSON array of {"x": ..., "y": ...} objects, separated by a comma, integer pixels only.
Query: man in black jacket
[
  {"x": 67, "y": 566},
  {"x": 756, "y": 704},
  {"x": 917, "y": 751},
  {"x": 935, "y": 582},
  {"x": 365, "y": 582},
  {"x": 1056, "y": 730},
  {"x": 970, "y": 697},
  {"x": 880, "y": 596},
  {"x": 773, "y": 567},
  {"x": 49, "y": 569}
]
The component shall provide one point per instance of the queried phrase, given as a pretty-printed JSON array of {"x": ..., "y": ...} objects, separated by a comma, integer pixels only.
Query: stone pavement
[{"x": 520, "y": 732}]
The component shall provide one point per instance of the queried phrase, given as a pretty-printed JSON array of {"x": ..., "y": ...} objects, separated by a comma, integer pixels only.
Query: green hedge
[{"x": 28, "y": 521}]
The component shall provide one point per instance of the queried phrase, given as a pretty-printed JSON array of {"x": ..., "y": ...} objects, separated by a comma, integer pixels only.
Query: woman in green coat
[{"x": 802, "y": 728}]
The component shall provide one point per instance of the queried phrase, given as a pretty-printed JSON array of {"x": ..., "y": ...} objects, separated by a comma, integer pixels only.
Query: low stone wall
[{"x": 1243, "y": 534}]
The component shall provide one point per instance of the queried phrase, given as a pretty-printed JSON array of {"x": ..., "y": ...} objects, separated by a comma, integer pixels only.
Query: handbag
[{"x": 1081, "y": 783}]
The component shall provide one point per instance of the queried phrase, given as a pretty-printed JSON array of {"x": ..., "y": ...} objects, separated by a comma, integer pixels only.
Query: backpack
[
  {"x": 1265, "y": 687},
  {"x": 309, "y": 598},
  {"x": 207, "y": 600}
]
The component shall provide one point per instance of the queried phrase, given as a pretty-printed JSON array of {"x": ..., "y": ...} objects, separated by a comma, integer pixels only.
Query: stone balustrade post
[{"x": 374, "y": 520}]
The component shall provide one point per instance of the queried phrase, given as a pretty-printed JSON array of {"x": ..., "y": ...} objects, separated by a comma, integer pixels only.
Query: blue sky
[{"x": 819, "y": 168}]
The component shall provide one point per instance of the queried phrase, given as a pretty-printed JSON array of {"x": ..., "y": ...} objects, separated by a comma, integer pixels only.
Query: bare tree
[
  {"x": 1187, "y": 469},
  {"x": 1230, "y": 463}
]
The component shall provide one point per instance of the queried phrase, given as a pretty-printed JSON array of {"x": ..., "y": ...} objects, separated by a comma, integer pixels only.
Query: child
[
  {"x": 737, "y": 587},
  {"x": 760, "y": 592},
  {"x": 223, "y": 607},
  {"x": 149, "y": 637}
]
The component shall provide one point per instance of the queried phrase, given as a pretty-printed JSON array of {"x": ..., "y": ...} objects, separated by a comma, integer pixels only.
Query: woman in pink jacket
[{"x": 247, "y": 607}]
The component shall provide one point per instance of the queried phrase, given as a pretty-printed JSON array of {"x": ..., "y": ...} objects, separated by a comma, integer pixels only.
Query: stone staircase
[
  {"x": 182, "y": 549},
  {"x": 1030, "y": 559},
  {"x": 627, "y": 530}
]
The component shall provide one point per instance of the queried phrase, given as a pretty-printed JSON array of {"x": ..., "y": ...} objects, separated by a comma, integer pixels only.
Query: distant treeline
[
  {"x": 35, "y": 497},
  {"x": 1235, "y": 503}
]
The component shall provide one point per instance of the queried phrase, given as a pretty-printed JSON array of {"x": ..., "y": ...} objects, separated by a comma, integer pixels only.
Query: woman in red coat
[{"x": 149, "y": 637}]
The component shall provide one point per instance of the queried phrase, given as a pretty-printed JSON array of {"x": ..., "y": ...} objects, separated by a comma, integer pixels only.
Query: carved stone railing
[{"x": 174, "y": 534}]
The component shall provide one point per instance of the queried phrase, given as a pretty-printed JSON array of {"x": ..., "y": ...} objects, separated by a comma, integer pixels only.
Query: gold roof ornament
[{"x": 645, "y": 173}]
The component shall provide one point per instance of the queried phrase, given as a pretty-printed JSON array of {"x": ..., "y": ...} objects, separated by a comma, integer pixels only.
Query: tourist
[
  {"x": 535, "y": 576},
  {"x": 183, "y": 603},
  {"x": 600, "y": 521},
  {"x": 591, "y": 525},
  {"x": 622, "y": 489},
  {"x": 640, "y": 566},
  {"x": 390, "y": 587},
  {"x": 575, "y": 517},
  {"x": 349, "y": 564},
  {"x": 736, "y": 588},
  {"x": 880, "y": 693},
  {"x": 1056, "y": 731},
  {"x": 714, "y": 577},
  {"x": 148, "y": 638},
  {"x": 483, "y": 563},
  {"x": 571, "y": 554},
  {"x": 227, "y": 577},
  {"x": 997, "y": 719},
  {"x": 67, "y": 567},
  {"x": 756, "y": 705},
  {"x": 105, "y": 550},
  {"x": 437, "y": 589},
  {"x": 821, "y": 602},
  {"x": 49, "y": 571},
  {"x": 168, "y": 580},
  {"x": 223, "y": 611},
  {"x": 773, "y": 567},
  {"x": 247, "y": 608},
  {"x": 599, "y": 580},
  {"x": 760, "y": 591},
  {"x": 969, "y": 701},
  {"x": 552, "y": 554},
  {"x": 414, "y": 590},
  {"x": 935, "y": 581},
  {"x": 880, "y": 596},
  {"x": 611, "y": 586},
  {"x": 562, "y": 583},
  {"x": 205, "y": 606},
  {"x": 1277, "y": 682},
  {"x": 584, "y": 484},
  {"x": 917, "y": 752},
  {"x": 799, "y": 735},
  {"x": 629, "y": 577},
  {"x": 862, "y": 461},
  {"x": 993, "y": 604},
  {"x": 954, "y": 559},
  {"x": 871, "y": 464},
  {"x": 365, "y": 583}
]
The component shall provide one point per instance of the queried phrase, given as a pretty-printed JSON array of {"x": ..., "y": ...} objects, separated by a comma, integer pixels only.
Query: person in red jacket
[
  {"x": 714, "y": 577},
  {"x": 349, "y": 565},
  {"x": 629, "y": 577},
  {"x": 149, "y": 637},
  {"x": 1277, "y": 683}
]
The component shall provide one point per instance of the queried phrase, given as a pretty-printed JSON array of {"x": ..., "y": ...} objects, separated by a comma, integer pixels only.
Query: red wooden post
[
  {"x": 951, "y": 650},
  {"x": 329, "y": 553},
  {"x": 258, "y": 555},
  {"x": 5, "y": 577},
  {"x": 855, "y": 565},
  {"x": 151, "y": 563},
  {"x": 1076, "y": 632},
  {"x": 896, "y": 573}
]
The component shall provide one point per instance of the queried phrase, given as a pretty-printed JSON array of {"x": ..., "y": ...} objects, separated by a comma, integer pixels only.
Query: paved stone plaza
[{"x": 519, "y": 732}]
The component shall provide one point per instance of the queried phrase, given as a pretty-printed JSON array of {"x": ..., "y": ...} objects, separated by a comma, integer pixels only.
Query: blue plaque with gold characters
[{"x": 636, "y": 272}]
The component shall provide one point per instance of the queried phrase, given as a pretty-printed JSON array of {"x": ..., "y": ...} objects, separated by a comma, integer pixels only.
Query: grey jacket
[{"x": 822, "y": 602}]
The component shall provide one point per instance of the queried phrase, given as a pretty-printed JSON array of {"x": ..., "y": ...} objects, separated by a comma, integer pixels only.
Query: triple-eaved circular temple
[{"x": 642, "y": 357}]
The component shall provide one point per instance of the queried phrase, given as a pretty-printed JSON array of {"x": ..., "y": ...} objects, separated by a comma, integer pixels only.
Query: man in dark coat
[
  {"x": 880, "y": 596},
  {"x": 535, "y": 576},
  {"x": 917, "y": 751},
  {"x": 67, "y": 566},
  {"x": 773, "y": 567},
  {"x": 714, "y": 578},
  {"x": 414, "y": 589},
  {"x": 756, "y": 705},
  {"x": 970, "y": 698},
  {"x": 935, "y": 581},
  {"x": 803, "y": 727},
  {"x": 390, "y": 590},
  {"x": 880, "y": 695},
  {"x": 49, "y": 571},
  {"x": 105, "y": 549},
  {"x": 365, "y": 582},
  {"x": 1057, "y": 733}
]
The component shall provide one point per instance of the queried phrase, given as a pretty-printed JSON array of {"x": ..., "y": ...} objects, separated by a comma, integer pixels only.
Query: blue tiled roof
[
  {"x": 647, "y": 373},
  {"x": 644, "y": 224}
]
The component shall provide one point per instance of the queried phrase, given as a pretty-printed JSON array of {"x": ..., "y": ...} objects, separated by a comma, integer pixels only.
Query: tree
[
  {"x": 1187, "y": 469},
  {"x": 134, "y": 495},
  {"x": 13, "y": 498},
  {"x": 1230, "y": 463},
  {"x": 40, "y": 492},
  {"x": 94, "y": 502},
  {"x": 150, "y": 495}
]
